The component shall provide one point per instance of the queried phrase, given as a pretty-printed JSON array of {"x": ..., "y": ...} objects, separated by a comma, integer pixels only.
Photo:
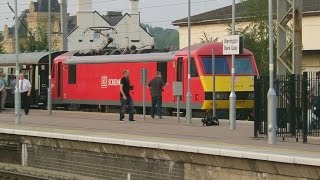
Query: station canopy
[{"x": 27, "y": 58}]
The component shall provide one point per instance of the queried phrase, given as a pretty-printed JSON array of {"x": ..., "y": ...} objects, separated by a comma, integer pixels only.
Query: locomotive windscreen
[
  {"x": 221, "y": 65},
  {"x": 243, "y": 65}
]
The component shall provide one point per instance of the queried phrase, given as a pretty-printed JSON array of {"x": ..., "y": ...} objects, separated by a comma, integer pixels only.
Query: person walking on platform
[
  {"x": 25, "y": 89},
  {"x": 4, "y": 91},
  {"x": 156, "y": 85},
  {"x": 2, "y": 86},
  {"x": 13, "y": 86},
  {"x": 125, "y": 98}
]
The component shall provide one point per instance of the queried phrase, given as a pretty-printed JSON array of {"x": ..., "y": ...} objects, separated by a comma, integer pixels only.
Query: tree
[
  {"x": 38, "y": 41},
  {"x": 164, "y": 38},
  {"x": 1, "y": 47},
  {"x": 207, "y": 38},
  {"x": 256, "y": 34}
]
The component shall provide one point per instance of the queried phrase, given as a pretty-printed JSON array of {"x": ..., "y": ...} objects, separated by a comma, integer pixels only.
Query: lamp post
[
  {"x": 188, "y": 96},
  {"x": 63, "y": 16},
  {"x": 232, "y": 97},
  {"x": 271, "y": 93},
  {"x": 17, "y": 95},
  {"x": 214, "y": 114},
  {"x": 49, "y": 61}
]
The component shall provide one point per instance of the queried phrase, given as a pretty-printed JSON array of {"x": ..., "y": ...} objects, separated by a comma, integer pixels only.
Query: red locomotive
[{"x": 94, "y": 80}]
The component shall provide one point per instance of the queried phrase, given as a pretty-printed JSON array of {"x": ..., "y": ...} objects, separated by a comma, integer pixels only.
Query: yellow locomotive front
[{"x": 245, "y": 70}]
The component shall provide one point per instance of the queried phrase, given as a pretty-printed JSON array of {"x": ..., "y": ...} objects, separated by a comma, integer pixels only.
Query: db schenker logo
[{"x": 105, "y": 82}]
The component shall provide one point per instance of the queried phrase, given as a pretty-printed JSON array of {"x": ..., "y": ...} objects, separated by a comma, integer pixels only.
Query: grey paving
[{"x": 161, "y": 133}]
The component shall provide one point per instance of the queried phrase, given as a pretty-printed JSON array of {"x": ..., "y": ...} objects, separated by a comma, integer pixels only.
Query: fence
[{"x": 297, "y": 99}]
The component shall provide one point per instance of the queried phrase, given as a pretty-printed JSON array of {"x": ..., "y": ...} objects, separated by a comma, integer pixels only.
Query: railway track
[{"x": 18, "y": 176}]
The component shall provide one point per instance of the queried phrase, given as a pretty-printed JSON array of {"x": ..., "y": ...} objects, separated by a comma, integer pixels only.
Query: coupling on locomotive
[{"x": 93, "y": 81}]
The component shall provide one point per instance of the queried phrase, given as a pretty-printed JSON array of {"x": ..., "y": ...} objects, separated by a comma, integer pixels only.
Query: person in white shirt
[{"x": 25, "y": 89}]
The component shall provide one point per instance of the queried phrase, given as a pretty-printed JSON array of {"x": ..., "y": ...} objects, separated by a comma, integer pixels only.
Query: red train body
[{"x": 95, "y": 80}]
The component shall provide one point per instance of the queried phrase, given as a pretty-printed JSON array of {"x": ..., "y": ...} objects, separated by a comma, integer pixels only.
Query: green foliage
[
  {"x": 1, "y": 47},
  {"x": 39, "y": 41},
  {"x": 167, "y": 39},
  {"x": 256, "y": 35},
  {"x": 207, "y": 38}
]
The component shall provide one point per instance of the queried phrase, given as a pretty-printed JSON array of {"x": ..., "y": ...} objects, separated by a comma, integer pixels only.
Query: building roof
[
  {"x": 22, "y": 29},
  {"x": 113, "y": 17},
  {"x": 309, "y": 7},
  {"x": 42, "y": 6}
]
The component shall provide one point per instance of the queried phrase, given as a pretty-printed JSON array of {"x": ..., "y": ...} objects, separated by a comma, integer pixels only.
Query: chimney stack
[
  {"x": 84, "y": 5},
  {"x": 134, "y": 5},
  {"x": 64, "y": 24}
]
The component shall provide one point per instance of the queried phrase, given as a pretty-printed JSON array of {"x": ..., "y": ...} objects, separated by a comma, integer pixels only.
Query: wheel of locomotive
[
  {"x": 170, "y": 111},
  {"x": 44, "y": 107},
  {"x": 103, "y": 108},
  {"x": 74, "y": 107}
]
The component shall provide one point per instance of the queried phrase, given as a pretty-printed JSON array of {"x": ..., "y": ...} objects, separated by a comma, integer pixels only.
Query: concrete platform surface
[{"x": 160, "y": 133}]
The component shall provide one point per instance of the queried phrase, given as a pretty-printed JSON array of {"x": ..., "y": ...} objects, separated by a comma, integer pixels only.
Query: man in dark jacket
[
  {"x": 125, "y": 98},
  {"x": 155, "y": 86}
]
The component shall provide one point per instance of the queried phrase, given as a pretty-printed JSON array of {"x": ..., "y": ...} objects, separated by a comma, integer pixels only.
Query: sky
[{"x": 160, "y": 13}]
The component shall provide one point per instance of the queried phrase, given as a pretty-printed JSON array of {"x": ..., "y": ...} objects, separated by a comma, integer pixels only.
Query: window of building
[{"x": 96, "y": 36}]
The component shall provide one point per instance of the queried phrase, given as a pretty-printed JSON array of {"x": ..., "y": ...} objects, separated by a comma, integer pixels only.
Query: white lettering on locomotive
[
  {"x": 105, "y": 82},
  {"x": 113, "y": 82}
]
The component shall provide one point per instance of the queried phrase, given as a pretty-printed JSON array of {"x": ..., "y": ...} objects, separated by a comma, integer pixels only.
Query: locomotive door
[
  {"x": 59, "y": 80},
  {"x": 162, "y": 67},
  {"x": 179, "y": 75}
]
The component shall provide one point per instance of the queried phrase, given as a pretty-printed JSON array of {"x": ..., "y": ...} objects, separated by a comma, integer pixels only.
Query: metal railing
[{"x": 298, "y": 97}]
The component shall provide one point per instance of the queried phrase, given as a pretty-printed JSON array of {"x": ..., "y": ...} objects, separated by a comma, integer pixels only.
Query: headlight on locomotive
[
  {"x": 251, "y": 95},
  {"x": 222, "y": 96}
]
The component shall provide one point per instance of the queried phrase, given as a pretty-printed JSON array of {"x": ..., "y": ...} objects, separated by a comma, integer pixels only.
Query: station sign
[{"x": 232, "y": 45}]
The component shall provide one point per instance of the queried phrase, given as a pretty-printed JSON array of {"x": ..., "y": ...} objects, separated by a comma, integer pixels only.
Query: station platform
[{"x": 164, "y": 133}]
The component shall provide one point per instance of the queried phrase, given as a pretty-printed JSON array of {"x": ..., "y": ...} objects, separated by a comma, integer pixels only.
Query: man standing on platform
[
  {"x": 13, "y": 86},
  {"x": 4, "y": 91},
  {"x": 125, "y": 98},
  {"x": 25, "y": 89},
  {"x": 155, "y": 86}
]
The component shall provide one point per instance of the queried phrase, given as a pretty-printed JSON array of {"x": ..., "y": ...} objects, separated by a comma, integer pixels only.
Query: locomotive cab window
[
  {"x": 194, "y": 72},
  {"x": 221, "y": 65},
  {"x": 72, "y": 74},
  {"x": 53, "y": 71},
  {"x": 179, "y": 69},
  {"x": 243, "y": 65}
]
